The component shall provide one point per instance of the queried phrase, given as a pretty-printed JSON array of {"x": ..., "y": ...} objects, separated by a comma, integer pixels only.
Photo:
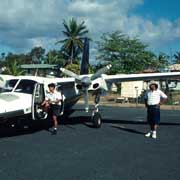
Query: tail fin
[{"x": 85, "y": 57}]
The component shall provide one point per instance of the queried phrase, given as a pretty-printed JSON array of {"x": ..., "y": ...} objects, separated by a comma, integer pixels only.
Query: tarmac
[{"x": 117, "y": 151}]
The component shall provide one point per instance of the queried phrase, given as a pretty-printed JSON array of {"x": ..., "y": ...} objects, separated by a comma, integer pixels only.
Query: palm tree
[
  {"x": 162, "y": 61},
  {"x": 12, "y": 68},
  {"x": 177, "y": 57},
  {"x": 74, "y": 34},
  {"x": 51, "y": 58},
  {"x": 54, "y": 57}
]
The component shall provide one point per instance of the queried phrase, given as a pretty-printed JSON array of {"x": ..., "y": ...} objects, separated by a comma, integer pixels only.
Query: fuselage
[{"x": 17, "y": 94}]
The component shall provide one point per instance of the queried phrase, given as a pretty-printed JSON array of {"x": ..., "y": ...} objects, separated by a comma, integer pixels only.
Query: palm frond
[
  {"x": 65, "y": 24},
  {"x": 74, "y": 33},
  {"x": 83, "y": 33}
]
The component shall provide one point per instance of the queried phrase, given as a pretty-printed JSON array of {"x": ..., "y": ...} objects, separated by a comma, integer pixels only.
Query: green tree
[
  {"x": 54, "y": 57},
  {"x": 74, "y": 33},
  {"x": 37, "y": 55},
  {"x": 12, "y": 68},
  {"x": 75, "y": 67},
  {"x": 177, "y": 57},
  {"x": 12, "y": 62},
  {"x": 162, "y": 61},
  {"x": 11, "y": 57},
  {"x": 20, "y": 58},
  {"x": 127, "y": 55},
  {"x": 2, "y": 58}
]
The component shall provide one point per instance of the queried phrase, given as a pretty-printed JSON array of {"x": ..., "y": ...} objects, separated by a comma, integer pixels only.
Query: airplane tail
[{"x": 85, "y": 58}]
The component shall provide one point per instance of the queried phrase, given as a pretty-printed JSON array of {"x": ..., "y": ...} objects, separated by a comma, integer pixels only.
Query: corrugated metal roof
[{"x": 38, "y": 66}]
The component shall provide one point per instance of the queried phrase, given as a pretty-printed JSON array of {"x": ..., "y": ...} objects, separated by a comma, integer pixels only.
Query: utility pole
[{"x": 136, "y": 88}]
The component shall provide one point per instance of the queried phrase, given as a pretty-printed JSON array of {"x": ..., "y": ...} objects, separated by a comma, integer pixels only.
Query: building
[{"x": 132, "y": 89}]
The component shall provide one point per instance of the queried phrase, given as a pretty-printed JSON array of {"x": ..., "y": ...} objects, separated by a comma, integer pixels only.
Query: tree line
[{"x": 126, "y": 54}]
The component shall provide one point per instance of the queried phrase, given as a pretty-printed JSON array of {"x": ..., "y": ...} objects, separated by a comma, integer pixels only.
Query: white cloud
[
  {"x": 158, "y": 33},
  {"x": 86, "y": 7},
  {"x": 25, "y": 23}
]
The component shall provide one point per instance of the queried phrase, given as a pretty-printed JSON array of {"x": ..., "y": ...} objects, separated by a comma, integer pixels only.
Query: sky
[{"x": 25, "y": 24}]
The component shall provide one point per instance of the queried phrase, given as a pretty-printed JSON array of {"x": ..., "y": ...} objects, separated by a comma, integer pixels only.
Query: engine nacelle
[
  {"x": 99, "y": 83},
  {"x": 95, "y": 86}
]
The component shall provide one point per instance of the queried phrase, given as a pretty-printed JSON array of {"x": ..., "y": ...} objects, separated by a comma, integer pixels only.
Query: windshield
[
  {"x": 9, "y": 85},
  {"x": 25, "y": 86}
]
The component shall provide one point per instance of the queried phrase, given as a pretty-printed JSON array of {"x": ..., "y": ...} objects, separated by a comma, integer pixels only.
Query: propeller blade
[
  {"x": 70, "y": 73},
  {"x": 86, "y": 100},
  {"x": 100, "y": 72}
]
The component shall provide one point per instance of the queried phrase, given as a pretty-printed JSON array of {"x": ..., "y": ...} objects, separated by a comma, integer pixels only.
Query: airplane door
[
  {"x": 37, "y": 99},
  {"x": 59, "y": 89}
]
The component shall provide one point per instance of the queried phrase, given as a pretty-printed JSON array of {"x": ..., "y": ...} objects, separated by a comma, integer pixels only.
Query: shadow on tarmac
[
  {"x": 135, "y": 123},
  {"x": 128, "y": 130},
  {"x": 8, "y": 131},
  {"x": 138, "y": 122}
]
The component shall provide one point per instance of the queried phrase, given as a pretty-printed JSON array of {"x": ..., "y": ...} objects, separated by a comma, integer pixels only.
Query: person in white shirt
[
  {"x": 153, "y": 99},
  {"x": 52, "y": 104}
]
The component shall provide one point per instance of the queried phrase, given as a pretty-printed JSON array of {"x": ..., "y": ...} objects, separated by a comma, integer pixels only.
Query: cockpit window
[
  {"x": 9, "y": 85},
  {"x": 25, "y": 86}
]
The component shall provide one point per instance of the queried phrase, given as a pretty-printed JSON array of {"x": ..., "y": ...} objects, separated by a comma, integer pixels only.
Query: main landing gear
[{"x": 96, "y": 116}]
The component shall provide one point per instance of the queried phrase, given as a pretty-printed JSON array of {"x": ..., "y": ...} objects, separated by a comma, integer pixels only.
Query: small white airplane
[{"x": 21, "y": 96}]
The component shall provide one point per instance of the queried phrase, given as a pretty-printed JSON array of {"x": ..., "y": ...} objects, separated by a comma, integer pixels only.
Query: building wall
[{"x": 128, "y": 89}]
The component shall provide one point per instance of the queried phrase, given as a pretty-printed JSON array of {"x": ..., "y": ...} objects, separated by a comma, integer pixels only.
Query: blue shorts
[
  {"x": 153, "y": 114},
  {"x": 55, "y": 109}
]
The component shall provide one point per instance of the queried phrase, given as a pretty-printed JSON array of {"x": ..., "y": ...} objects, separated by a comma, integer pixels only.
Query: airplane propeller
[
  {"x": 86, "y": 81},
  {"x": 70, "y": 73},
  {"x": 100, "y": 72}
]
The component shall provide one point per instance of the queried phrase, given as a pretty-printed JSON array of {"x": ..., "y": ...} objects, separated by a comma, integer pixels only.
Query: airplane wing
[
  {"x": 101, "y": 81},
  {"x": 144, "y": 77}
]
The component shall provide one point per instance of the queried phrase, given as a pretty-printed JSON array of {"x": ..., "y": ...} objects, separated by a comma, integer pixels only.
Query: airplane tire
[{"x": 97, "y": 120}]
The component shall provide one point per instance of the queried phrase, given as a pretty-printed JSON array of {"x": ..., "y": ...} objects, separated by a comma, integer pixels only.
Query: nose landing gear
[
  {"x": 96, "y": 116},
  {"x": 96, "y": 119}
]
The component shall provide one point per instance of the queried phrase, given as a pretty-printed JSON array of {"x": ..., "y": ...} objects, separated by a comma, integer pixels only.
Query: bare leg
[
  {"x": 155, "y": 127},
  {"x": 55, "y": 125},
  {"x": 46, "y": 107},
  {"x": 55, "y": 121}
]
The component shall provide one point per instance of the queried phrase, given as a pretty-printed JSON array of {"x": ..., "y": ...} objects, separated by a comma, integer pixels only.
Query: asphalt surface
[{"x": 117, "y": 151}]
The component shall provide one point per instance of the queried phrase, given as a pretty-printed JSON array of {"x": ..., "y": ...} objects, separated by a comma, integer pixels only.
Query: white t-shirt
[
  {"x": 55, "y": 96},
  {"x": 154, "y": 97}
]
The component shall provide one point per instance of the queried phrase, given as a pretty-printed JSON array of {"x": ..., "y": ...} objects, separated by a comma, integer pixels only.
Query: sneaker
[
  {"x": 39, "y": 110},
  {"x": 154, "y": 136},
  {"x": 54, "y": 132},
  {"x": 148, "y": 134}
]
